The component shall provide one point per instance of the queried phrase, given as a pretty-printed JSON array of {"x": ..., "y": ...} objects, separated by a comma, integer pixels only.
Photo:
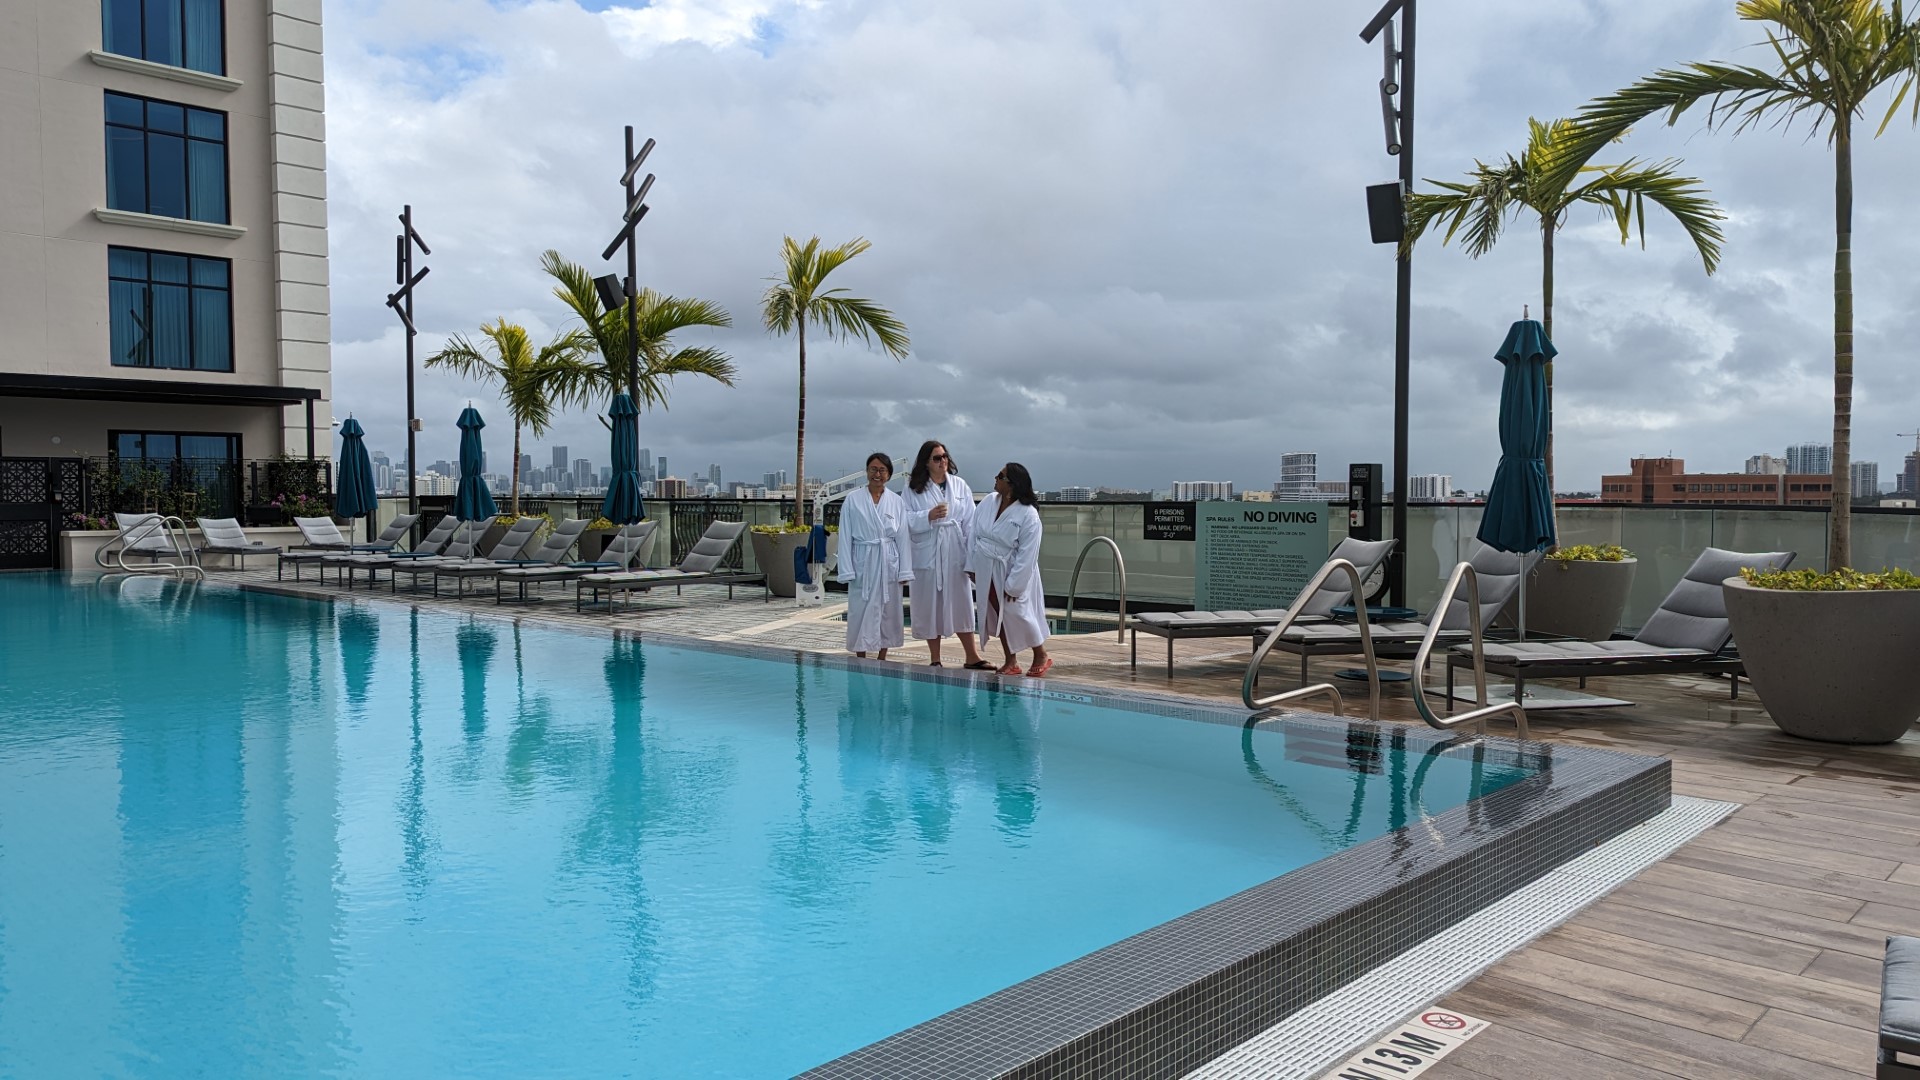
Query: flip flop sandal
[
  {"x": 979, "y": 665},
  {"x": 935, "y": 663},
  {"x": 1010, "y": 669},
  {"x": 1041, "y": 668}
]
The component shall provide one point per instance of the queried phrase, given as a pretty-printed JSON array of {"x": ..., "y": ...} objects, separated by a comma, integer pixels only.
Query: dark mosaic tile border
[{"x": 1170, "y": 999}]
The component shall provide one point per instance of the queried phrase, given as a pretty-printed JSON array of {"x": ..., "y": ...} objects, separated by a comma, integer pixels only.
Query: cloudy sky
[{"x": 1129, "y": 237}]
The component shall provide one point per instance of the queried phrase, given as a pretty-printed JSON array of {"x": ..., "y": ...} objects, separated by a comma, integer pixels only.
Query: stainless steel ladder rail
[
  {"x": 175, "y": 530},
  {"x": 1482, "y": 708},
  {"x": 1120, "y": 568},
  {"x": 1316, "y": 689}
]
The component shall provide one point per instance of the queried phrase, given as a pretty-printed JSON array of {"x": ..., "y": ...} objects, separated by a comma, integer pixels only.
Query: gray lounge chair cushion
[
  {"x": 1498, "y": 575},
  {"x": 1365, "y": 555},
  {"x": 1547, "y": 652},
  {"x": 143, "y": 533},
  {"x": 321, "y": 532},
  {"x": 1349, "y": 633},
  {"x": 1694, "y": 614},
  {"x": 1223, "y": 619},
  {"x": 1900, "y": 996},
  {"x": 620, "y": 551},
  {"x": 712, "y": 547},
  {"x": 224, "y": 536},
  {"x": 515, "y": 539}
]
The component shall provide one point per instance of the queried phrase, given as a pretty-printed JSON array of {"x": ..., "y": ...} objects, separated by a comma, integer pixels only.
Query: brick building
[{"x": 1666, "y": 481}]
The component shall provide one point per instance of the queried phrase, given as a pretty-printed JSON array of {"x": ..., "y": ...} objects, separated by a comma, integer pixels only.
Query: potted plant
[
  {"x": 594, "y": 540},
  {"x": 1580, "y": 591},
  {"x": 773, "y": 548},
  {"x": 1828, "y": 653}
]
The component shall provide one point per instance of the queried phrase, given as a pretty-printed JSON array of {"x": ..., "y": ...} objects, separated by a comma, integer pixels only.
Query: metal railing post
[
  {"x": 1120, "y": 567},
  {"x": 1286, "y": 623},
  {"x": 1482, "y": 709}
]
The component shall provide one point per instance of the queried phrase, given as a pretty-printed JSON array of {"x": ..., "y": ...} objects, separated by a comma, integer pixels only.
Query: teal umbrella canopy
[
  {"x": 471, "y": 499},
  {"x": 622, "y": 505},
  {"x": 1519, "y": 514},
  {"x": 353, "y": 494}
]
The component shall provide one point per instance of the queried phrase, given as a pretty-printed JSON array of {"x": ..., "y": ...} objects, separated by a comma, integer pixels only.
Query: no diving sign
[{"x": 1410, "y": 1048}]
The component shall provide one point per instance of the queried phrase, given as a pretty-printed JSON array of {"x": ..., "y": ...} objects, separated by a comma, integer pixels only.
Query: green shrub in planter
[
  {"x": 1842, "y": 580},
  {"x": 1591, "y": 553}
]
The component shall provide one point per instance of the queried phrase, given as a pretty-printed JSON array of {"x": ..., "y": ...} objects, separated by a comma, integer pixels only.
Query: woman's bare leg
[{"x": 967, "y": 642}]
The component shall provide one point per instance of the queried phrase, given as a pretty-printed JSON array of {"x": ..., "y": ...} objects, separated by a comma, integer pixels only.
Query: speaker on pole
[{"x": 1386, "y": 214}]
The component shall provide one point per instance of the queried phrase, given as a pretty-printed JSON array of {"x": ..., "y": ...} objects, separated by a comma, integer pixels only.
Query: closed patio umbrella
[
  {"x": 622, "y": 505},
  {"x": 1519, "y": 515},
  {"x": 353, "y": 494},
  {"x": 471, "y": 499}
]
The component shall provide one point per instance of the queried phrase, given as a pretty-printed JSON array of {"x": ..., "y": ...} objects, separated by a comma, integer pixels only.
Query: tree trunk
[
  {"x": 515, "y": 502},
  {"x": 1840, "y": 537},
  {"x": 800, "y": 439}
]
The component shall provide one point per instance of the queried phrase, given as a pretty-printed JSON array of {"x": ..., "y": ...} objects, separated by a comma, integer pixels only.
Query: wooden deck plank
[
  {"x": 1792, "y": 875},
  {"x": 1891, "y": 918},
  {"x": 1730, "y": 942},
  {"x": 1777, "y": 844},
  {"x": 1762, "y": 987},
  {"x": 1503, "y": 1052},
  {"x": 1813, "y": 1039},
  {"x": 1579, "y": 975},
  {"x": 1781, "y": 925},
  {"x": 1907, "y": 874},
  {"x": 1734, "y": 886},
  {"x": 1849, "y": 968}
]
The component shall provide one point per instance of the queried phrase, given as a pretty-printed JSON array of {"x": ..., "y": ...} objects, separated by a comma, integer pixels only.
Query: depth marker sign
[{"x": 1409, "y": 1049}]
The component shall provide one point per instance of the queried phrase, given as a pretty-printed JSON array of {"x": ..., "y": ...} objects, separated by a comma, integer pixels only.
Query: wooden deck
[{"x": 1754, "y": 951}]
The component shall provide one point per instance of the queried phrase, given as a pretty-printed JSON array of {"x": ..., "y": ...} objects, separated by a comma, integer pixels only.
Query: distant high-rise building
[
  {"x": 646, "y": 466},
  {"x": 1202, "y": 490},
  {"x": 1299, "y": 477},
  {"x": 1810, "y": 458},
  {"x": 582, "y": 474},
  {"x": 1433, "y": 487},
  {"x": 713, "y": 475},
  {"x": 1766, "y": 465},
  {"x": 379, "y": 457},
  {"x": 606, "y": 476},
  {"x": 526, "y": 467},
  {"x": 560, "y": 457},
  {"x": 1866, "y": 479},
  {"x": 777, "y": 479},
  {"x": 660, "y": 468},
  {"x": 670, "y": 487},
  {"x": 444, "y": 468},
  {"x": 1072, "y": 493},
  {"x": 1910, "y": 476}
]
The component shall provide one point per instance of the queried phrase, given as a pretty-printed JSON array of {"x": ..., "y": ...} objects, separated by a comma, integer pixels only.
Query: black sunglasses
[
  {"x": 938, "y": 457},
  {"x": 999, "y": 476}
]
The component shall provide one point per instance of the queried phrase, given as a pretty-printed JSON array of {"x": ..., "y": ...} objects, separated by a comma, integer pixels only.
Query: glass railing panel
[
  {"x": 1595, "y": 525},
  {"x": 1665, "y": 541},
  {"x": 1761, "y": 529},
  {"x": 1881, "y": 541}
]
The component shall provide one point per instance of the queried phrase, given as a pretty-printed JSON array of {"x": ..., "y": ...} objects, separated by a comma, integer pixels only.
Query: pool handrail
[
  {"x": 1482, "y": 709},
  {"x": 1120, "y": 569},
  {"x": 1252, "y": 676},
  {"x": 173, "y": 529}
]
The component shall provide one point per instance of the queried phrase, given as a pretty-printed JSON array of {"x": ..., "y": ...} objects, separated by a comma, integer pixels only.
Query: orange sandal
[
  {"x": 1041, "y": 668},
  {"x": 1012, "y": 668}
]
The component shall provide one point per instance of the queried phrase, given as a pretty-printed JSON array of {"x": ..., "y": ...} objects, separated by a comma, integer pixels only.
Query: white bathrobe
[
  {"x": 876, "y": 557},
  {"x": 1005, "y": 557},
  {"x": 942, "y": 595}
]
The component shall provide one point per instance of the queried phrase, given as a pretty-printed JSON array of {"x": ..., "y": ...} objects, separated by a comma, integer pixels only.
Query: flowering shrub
[
  {"x": 79, "y": 522},
  {"x": 299, "y": 505}
]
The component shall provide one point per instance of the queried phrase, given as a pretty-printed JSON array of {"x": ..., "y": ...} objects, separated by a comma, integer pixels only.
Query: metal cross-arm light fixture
[
  {"x": 401, "y": 301},
  {"x": 612, "y": 290}
]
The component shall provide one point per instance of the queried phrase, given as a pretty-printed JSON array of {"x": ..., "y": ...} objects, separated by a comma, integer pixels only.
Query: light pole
[
  {"x": 401, "y": 301},
  {"x": 1398, "y": 82}
]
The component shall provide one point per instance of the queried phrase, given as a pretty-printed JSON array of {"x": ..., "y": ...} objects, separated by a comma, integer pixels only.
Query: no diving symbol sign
[{"x": 1410, "y": 1048}]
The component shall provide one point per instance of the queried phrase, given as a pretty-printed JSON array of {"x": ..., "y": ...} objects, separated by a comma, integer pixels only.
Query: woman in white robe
[
  {"x": 940, "y": 520},
  {"x": 876, "y": 559},
  {"x": 1004, "y": 562}
]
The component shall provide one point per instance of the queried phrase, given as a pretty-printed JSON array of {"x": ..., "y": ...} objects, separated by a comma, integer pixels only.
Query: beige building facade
[{"x": 163, "y": 229}]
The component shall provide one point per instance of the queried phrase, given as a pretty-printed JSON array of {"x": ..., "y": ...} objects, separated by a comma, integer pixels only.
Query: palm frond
[
  {"x": 851, "y": 316},
  {"x": 1626, "y": 189}
]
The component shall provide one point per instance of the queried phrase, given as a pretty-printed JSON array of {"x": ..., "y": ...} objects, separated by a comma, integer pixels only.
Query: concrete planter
[
  {"x": 593, "y": 542},
  {"x": 773, "y": 555},
  {"x": 1831, "y": 666},
  {"x": 1583, "y": 600}
]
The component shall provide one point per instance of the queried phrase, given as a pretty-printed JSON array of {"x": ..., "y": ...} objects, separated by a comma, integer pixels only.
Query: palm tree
[
  {"x": 535, "y": 384},
  {"x": 659, "y": 318},
  {"x": 1833, "y": 55},
  {"x": 1483, "y": 205},
  {"x": 796, "y": 299}
]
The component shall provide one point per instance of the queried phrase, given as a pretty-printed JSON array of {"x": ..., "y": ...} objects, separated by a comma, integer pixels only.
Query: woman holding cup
[{"x": 940, "y": 520}]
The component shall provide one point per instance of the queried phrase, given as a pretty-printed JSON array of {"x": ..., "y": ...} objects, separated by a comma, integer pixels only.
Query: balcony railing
[{"x": 197, "y": 487}]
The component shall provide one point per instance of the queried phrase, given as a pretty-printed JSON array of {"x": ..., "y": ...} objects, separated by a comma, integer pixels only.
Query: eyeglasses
[
  {"x": 938, "y": 457},
  {"x": 999, "y": 476}
]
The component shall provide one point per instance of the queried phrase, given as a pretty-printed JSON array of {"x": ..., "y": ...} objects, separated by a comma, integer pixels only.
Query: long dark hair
[
  {"x": 922, "y": 473},
  {"x": 882, "y": 459},
  {"x": 1021, "y": 482}
]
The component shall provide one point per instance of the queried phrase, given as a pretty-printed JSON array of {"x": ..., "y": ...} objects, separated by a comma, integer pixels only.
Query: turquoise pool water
[{"x": 250, "y": 836}]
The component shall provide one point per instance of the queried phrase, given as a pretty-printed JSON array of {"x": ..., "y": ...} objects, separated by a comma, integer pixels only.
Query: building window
[
  {"x": 169, "y": 447},
  {"x": 169, "y": 311},
  {"x": 166, "y": 159},
  {"x": 178, "y": 33}
]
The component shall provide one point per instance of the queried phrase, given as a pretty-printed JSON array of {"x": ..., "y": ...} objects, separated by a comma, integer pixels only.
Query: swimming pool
[{"x": 249, "y": 835}]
